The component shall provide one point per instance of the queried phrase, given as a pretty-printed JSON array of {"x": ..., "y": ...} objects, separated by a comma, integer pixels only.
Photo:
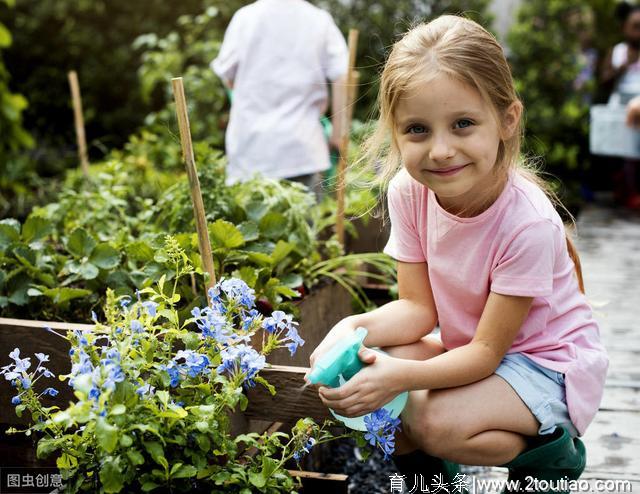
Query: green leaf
[
  {"x": 36, "y": 228},
  {"x": 46, "y": 446},
  {"x": 257, "y": 479},
  {"x": 111, "y": 478},
  {"x": 104, "y": 256},
  {"x": 61, "y": 295},
  {"x": 154, "y": 448},
  {"x": 135, "y": 456},
  {"x": 249, "y": 231},
  {"x": 273, "y": 225},
  {"x": 106, "y": 434},
  {"x": 183, "y": 471},
  {"x": 225, "y": 235},
  {"x": 140, "y": 251},
  {"x": 9, "y": 233},
  {"x": 5, "y": 37},
  {"x": 80, "y": 243},
  {"x": 282, "y": 250},
  {"x": 118, "y": 409},
  {"x": 263, "y": 381},
  {"x": 88, "y": 271}
]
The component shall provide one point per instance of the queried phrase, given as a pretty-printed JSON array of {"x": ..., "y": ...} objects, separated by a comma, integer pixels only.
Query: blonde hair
[{"x": 462, "y": 49}]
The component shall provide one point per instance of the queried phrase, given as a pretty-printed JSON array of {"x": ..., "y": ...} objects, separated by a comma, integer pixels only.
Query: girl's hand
[
  {"x": 371, "y": 388},
  {"x": 339, "y": 331}
]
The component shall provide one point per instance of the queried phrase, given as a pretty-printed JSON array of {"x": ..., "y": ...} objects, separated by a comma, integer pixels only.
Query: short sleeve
[
  {"x": 526, "y": 265},
  {"x": 336, "y": 53},
  {"x": 404, "y": 241},
  {"x": 225, "y": 65}
]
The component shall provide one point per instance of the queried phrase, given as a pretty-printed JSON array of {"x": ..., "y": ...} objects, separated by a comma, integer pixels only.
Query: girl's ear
[{"x": 510, "y": 120}]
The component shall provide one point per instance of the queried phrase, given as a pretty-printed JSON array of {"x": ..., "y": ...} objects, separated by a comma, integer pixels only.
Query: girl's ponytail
[{"x": 573, "y": 254}]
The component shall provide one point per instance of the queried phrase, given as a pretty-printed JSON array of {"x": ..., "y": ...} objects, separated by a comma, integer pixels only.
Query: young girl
[{"x": 519, "y": 371}]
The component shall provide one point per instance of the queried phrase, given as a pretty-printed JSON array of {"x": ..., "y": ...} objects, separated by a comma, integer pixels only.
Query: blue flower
[
  {"x": 151, "y": 307},
  {"x": 195, "y": 363},
  {"x": 16, "y": 400},
  {"x": 241, "y": 358},
  {"x": 125, "y": 301},
  {"x": 297, "y": 455},
  {"x": 213, "y": 325},
  {"x": 26, "y": 382},
  {"x": 234, "y": 289},
  {"x": 136, "y": 326},
  {"x": 20, "y": 364},
  {"x": 42, "y": 357},
  {"x": 278, "y": 321},
  {"x": 50, "y": 392},
  {"x": 145, "y": 389},
  {"x": 174, "y": 374},
  {"x": 82, "y": 340},
  {"x": 381, "y": 429},
  {"x": 294, "y": 340}
]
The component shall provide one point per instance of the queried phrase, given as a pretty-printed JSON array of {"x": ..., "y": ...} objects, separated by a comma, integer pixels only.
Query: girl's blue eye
[
  {"x": 416, "y": 129},
  {"x": 464, "y": 123}
]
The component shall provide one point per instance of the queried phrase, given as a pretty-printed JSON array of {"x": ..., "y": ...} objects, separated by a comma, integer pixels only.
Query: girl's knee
[{"x": 433, "y": 426}]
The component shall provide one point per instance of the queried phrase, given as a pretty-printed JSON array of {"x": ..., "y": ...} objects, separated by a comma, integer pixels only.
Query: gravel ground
[{"x": 370, "y": 476}]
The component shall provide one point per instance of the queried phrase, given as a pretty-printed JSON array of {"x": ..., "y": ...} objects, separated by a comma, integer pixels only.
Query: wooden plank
[
  {"x": 292, "y": 399},
  {"x": 620, "y": 399},
  {"x": 290, "y": 403},
  {"x": 613, "y": 444},
  {"x": 30, "y": 337},
  {"x": 321, "y": 483}
]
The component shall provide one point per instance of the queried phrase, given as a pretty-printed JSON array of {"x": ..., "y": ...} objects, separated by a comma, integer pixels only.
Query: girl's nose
[{"x": 441, "y": 148}]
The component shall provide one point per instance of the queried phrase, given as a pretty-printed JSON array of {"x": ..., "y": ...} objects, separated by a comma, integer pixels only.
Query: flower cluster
[
  {"x": 147, "y": 374},
  {"x": 280, "y": 323},
  {"x": 381, "y": 429},
  {"x": 17, "y": 373},
  {"x": 241, "y": 358}
]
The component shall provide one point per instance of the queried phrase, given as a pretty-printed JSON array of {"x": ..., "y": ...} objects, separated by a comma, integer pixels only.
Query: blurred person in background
[
  {"x": 621, "y": 74},
  {"x": 277, "y": 56}
]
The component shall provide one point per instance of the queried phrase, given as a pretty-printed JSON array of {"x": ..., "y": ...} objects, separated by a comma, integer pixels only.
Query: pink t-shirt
[{"x": 516, "y": 247}]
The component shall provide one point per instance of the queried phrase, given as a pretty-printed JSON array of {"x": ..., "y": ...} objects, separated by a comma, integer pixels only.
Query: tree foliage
[{"x": 546, "y": 47}]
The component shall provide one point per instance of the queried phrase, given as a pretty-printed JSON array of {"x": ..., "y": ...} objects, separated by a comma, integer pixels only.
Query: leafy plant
[{"x": 155, "y": 395}]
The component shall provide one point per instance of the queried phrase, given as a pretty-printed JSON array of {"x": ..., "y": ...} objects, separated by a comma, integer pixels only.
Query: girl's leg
[{"x": 484, "y": 423}]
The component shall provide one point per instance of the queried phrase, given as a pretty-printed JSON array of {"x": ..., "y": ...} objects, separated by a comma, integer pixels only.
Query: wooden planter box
[{"x": 372, "y": 236}]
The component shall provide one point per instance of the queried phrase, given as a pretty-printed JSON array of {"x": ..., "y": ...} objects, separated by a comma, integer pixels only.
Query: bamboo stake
[
  {"x": 194, "y": 183},
  {"x": 344, "y": 145},
  {"x": 79, "y": 121}
]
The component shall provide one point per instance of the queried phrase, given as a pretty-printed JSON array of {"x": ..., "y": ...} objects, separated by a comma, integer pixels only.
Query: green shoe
[
  {"x": 419, "y": 467},
  {"x": 549, "y": 467}
]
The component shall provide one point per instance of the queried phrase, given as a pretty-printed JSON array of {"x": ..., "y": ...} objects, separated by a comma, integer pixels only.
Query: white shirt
[
  {"x": 629, "y": 82},
  {"x": 279, "y": 54}
]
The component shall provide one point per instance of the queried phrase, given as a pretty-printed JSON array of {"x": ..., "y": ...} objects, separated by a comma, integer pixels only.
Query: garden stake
[
  {"x": 79, "y": 121},
  {"x": 194, "y": 184},
  {"x": 344, "y": 145}
]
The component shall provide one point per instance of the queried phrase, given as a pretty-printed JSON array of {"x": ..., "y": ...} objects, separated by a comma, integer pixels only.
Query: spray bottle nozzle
[{"x": 341, "y": 360}]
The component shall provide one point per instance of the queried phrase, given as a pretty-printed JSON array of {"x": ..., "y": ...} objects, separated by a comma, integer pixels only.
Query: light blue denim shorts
[{"x": 541, "y": 389}]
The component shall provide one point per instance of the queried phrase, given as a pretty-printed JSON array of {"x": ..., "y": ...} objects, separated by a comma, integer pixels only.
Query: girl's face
[{"x": 448, "y": 139}]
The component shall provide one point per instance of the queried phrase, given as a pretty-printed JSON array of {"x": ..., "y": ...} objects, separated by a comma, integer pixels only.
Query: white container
[{"x": 608, "y": 132}]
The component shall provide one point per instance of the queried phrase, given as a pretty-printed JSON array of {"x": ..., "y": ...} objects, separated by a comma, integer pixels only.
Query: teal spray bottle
[{"x": 340, "y": 364}]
